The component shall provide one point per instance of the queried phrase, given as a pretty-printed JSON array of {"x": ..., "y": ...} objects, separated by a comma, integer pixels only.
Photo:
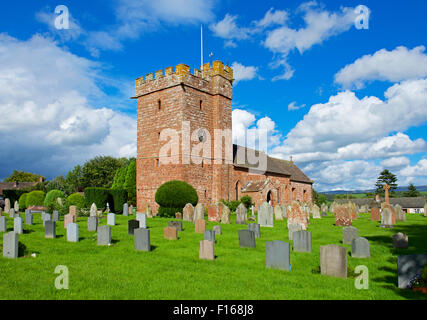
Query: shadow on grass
[
  {"x": 114, "y": 241},
  {"x": 22, "y": 250}
]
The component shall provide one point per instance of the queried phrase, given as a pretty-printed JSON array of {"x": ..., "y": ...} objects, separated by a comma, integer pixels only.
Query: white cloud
[
  {"x": 49, "y": 119},
  {"x": 395, "y": 162},
  {"x": 273, "y": 17},
  {"x": 242, "y": 73},
  {"x": 228, "y": 29},
  {"x": 293, "y": 106},
  {"x": 394, "y": 66},
  {"x": 48, "y": 16},
  {"x": 419, "y": 170}
]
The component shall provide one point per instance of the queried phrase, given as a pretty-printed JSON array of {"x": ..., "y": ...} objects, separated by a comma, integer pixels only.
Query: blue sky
[{"x": 344, "y": 102}]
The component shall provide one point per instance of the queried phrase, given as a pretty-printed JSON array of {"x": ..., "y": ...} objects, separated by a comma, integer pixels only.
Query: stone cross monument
[{"x": 386, "y": 188}]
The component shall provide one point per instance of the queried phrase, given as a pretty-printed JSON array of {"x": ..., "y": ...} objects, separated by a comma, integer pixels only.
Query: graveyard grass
[{"x": 172, "y": 270}]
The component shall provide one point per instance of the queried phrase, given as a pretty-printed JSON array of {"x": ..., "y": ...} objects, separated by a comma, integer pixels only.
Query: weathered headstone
[
  {"x": 142, "y": 218},
  {"x": 175, "y": 224},
  {"x": 92, "y": 223},
  {"x": 225, "y": 213},
  {"x": 391, "y": 208},
  {"x": 386, "y": 218},
  {"x": 111, "y": 219},
  {"x": 343, "y": 215},
  {"x": 3, "y": 224},
  {"x": 18, "y": 225},
  {"x": 69, "y": 218},
  {"x": 125, "y": 209},
  {"x": 200, "y": 226},
  {"x": 213, "y": 213},
  {"x": 277, "y": 255},
  {"x": 241, "y": 214},
  {"x": 12, "y": 213},
  {"x": 93, "y": 210},
  {"x": 10, "y": 245},
  {"x": 278, "y": 212},
  {"x": 293, "y": 227},
  {"x": 170, "y": 233},
  {"x": 6, "y": 206},
  {"x": 375, "y": 214},
  {"x": 425, "y": 210},
  {"x": 104, "y": 236},
  {"x": 400, "y": 241},
  {"x": 142, "y": 239},
  {"x": 298, "y": 215},
  {"x": 333, "y": 261},
  {"x": 246, "y": 239},
  {"x": 188, "y": 212},
  {"x": 73, "y": 210},
  {"x": 178, "y": 215},
  {"x": 325, "y": 208},
  {"x": 206, "y": 250},
  {"x": 132, "y": 225},
  {"x": 217, "y": 229},
  {"x": 256, "y": 228},
  {"x": 265, "y": 215},
  {"x": 131, "y": 210},
  {"x": 209, "y": 235},
  {"x": 349, "y": 234},
  {"x": 315, "y": 212},
  {"x": 73, "y": 232},
  {"x": 360, "y": 248},
  {"x": 408, "y": 266},
  {"x": 302, "y": 241},
  {"x": 199, "y": 212},
  {"x": 400, "y": 214},
  {"x": 50, "y": 229},
  {"x": 16, "y": 206}
]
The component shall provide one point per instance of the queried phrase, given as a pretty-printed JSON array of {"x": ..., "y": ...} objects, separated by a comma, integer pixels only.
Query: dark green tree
[
  {"x": 100, "y": 171},
  {"x": 22, "y": 176},
  {"x": 130, "y": 182},
  {"x": 412, "y": 191},
  {"x": 319, "y": 198},
  {"x": 120, "y": 178},
  {"x": 386, "y": 177},
  {"x": 73, "y": 180}
]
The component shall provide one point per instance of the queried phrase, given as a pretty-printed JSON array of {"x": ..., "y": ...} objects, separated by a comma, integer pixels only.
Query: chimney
[{"x": 15, "y": 185}]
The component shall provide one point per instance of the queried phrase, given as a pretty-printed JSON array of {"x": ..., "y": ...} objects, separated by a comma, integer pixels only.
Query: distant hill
[{"x": 419, "y": 188}]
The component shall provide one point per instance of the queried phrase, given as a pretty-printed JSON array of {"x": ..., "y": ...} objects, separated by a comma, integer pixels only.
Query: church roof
[{"x": 274, "y": 165}]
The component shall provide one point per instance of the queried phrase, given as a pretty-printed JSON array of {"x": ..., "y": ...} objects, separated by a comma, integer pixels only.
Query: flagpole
[{"x": 201, "y": 49}]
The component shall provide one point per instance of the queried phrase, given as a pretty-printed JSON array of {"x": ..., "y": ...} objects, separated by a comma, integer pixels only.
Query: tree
[
  {"x": 386, "y": 177},
  {"x": 22, "y": 176},
  {"x": 130, "y": 182},
  {"x": 73, "y": 180},
  {"x": 319, "y": 198},
  {"x": 120, "y": 178},
  {"x": 100, "y": 171},
  {"x": 412, "y": 191}
]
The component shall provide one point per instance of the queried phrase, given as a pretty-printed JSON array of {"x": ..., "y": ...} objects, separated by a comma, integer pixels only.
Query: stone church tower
[{"x": 185, "y": 110}]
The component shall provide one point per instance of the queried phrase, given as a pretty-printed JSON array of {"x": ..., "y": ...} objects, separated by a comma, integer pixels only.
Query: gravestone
[
  {"x": 16, "y": 206},
  {"x": 278, "y": 212},
  {"x": 400, "y": 214},
  {"x": 175, "y": 224},
  {"x": 333, "y": 261},
  {"x": 425, "y": 210},
  {"x": 12, "y": 213},
  {"x": 18, "y": 225},
  {"x": 10, "y": 245},
  {"x": 391, "y": 209},
  {"x": 386, "y": 218},
  {"x": 200, "y": 226},
  {"x": 178, "y": 215},
  {"x": 293, "y": 227},
  {"x": 241, "y": 214},
  {"x": 302, "y": 241},
  {"x": 252, "y": 217},
  {"x": 69, "y": 218},
  {"x": 325, "y": 209},
  {"x": 55, "y": 216},
  {"x": 46, "y": 217},
  {"x": 131, "y": 210},
  {"x": 188, "y": 212},
  {"x": 217, "y": 229},
  {"x": 125, "y": 209},
  {"x": 209, "y": 235},
  {"x": 246, "y": 239},
  {"x": 213, "y": 213},
  {"x": 360, "y": 248},
  {"x": 407, "y": 267},
  {"x": 132, "y": 225},
  {"x": 73, "y": 210},
  {"x": 400, "y": 241},
  {"x": 375, "y": 214},
  {"x": 50, "y": 229},
  {"x": 93, "y": 210},
  {"x": 256, "y": 228},
  {"x": 6, "y": 206},
  {"x": 73, "y": 232},
  {"x": 142, "y": 239},
  {"x": 104, "y": 236},
  {"x": 277, "y": 255},
  {"x": 142, "y": 218},
  {"x": 1, "y": 211},
  {"x": 349, "y": 234},
  {"x": 170, "y": 233},
  {"x": 111, "y": 219},
  {"x": 224, "y": 211},
  {"x": 199, "y": 212},
  {"x": 315, "y": 212},
  {"x": 3, "y": 224},
  {"x": 265, "y": 215},
  {"x": 92, "y": 223},
  {"x": 206, "y": 250},
  {"x": 343, "y": 215}
]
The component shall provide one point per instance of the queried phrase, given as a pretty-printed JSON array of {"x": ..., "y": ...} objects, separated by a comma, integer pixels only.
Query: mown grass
[{"x": 172, "y": 270}]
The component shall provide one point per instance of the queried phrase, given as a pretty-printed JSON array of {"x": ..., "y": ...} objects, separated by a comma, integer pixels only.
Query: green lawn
[{"x": 172, "y": 269}]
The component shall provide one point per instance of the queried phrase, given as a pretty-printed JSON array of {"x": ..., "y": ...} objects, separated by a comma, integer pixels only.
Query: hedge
[
  {"x": 35, "y": 198},
  {"x": 75, "y": 199},
  {"x": 13, "y": 195},
  {"x": 99, "y": 196},
  {"x": 117, "y": 198},
  {"x": 23, "y": 201},
  {"x": 172, "y": 197}
]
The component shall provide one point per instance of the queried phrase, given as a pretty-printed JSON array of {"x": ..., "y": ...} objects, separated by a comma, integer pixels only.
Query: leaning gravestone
[
  {"x": 400, "y": 241},
  {"x": 125, "y": 209},
  {"x": 3, "y": 224},
  {"x": 278, "y": 212},
  {"x": 246, "y": 239},
  {"x": 206, "y": 250},
  {"x": 188, "y": 212},
  {"x": 333, "y": 261},
  {"x": 349, "y": 234},
  {"x": 104, "y": 236},
  {"x": 17, "y": 225},
  {"x": 199, "y": 212},
  {"x": 93, "y": 210},
  {"x": 360, "y": 248},
  {"x": 241, "y": 214},
  {"x": 111, "y": 219},
  {"x": 217, "y": 229},
  {"x": 142, "y": 218},
  {"x": 265, "y": 215},
  {"x": 92, "y": 223},
  {"x": 316, "y": 212},
  {"x": 277, "y": 255},
  {"x": 256, "y": 228},
  {"x": 132, "y": 225},
  {"x": 224, "y": 212},
  {"x": 10, "y": 245},
  {"x": 174, "y": 224},
  {"x": 386, "y": 218},
  {"x": 293, "y": 227},
  {"x": 142, "y": 239},
  {"x": 209, "y": 235},
  {"x": 302, "y": 241},
  {"x": 73, "y": 232},
  {"x": 408, "y": 266},
  {"x": 50, "y": 230}
]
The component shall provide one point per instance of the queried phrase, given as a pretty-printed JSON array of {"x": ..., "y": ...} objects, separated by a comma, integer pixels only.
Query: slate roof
[
  {"x": 15, "y": 185},
  {"x": 274, "y": 165},
  {"x": 404, "y": 202}
]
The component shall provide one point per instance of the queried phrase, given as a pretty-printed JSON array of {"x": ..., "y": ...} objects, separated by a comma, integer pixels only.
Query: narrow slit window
[
  {"x": 201, "y": 105},
  {"x": 159, "y": 105}
]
